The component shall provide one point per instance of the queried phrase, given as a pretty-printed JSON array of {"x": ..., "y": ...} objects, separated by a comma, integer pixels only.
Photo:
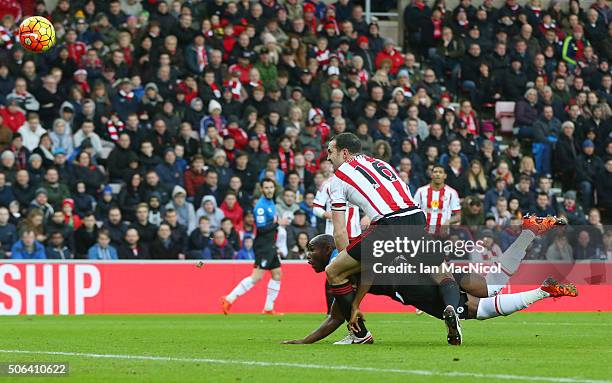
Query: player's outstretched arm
[
  {"x": 329, "y": 325},
  {"x": 364, "y": 287},
  {"x": 340, "y": 233}
]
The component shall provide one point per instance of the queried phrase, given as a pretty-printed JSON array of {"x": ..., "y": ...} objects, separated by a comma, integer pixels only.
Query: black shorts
[
  {"x": 424, "y": 297},
  {"x": 266, "y": 256},
  {"x": 409, "y": 221}
]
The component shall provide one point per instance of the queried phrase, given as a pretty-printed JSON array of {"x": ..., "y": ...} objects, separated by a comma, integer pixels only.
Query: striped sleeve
[{"x": 338, "y": 194}]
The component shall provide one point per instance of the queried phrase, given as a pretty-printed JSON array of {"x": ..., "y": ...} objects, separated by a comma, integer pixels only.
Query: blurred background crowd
[{"x": 144, "y": 132}]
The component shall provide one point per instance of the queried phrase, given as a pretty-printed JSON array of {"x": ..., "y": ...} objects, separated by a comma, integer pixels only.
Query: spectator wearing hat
[
  {"x": 124, "y": 101},
  {"x": 151, "y": 102},
  {"x": 571, "y": 209},
  {"x": 83, "y": 202},
  {"x": 104, "y": 203},
  {"x": 573, "y": 47},
  {"x": 389, "y": 52},
  {"x": 298, "y": 225},
  {"x": 12, "y": 116},
  {"x": 267, "y": 70},
  {"x": 565, "y": 155},
  {"x": 184, "y": 210},
  {"x": 588, "y": 167},
  {"x": 276, "y": 103}
]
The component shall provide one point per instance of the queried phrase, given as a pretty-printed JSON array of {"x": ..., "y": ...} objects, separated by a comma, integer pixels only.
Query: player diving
[{"x": 480, "y": 296}]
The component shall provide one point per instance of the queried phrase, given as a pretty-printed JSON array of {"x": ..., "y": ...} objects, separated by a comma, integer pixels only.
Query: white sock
[
  {"x": 273, "y": 290},
  {"x": 245, "y": 285},
  {"x": 506, "y": 304},
  {"x": 509, "y": 261}
]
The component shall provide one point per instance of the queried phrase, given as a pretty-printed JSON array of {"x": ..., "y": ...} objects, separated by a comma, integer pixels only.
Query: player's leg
[
  {"x": 241, "y": 288},
  {"x": 449, "y": 290},
  {"x": 506, "y": 304},
  {"x": 511, "y": 259},
  {"x": 474, "y": 284},
  {"x": 273, "y": 289},
  {"x": 341, "y": 289}
]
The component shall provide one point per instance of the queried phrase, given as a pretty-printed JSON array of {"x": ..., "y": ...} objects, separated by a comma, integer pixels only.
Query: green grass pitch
[{"x": 525, "y": 347}]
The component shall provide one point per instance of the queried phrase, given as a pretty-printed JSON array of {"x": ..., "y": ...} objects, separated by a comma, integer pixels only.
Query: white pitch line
[
  {"x": 313, "y": 366},
  {"x": 490, "y": 322}
]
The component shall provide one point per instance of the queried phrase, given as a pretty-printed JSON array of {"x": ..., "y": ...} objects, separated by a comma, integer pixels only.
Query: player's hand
[
  {"x": 365, "y": 222},
  {"x": 294, "y": 341},
  {"x": 356, "y": 314}
]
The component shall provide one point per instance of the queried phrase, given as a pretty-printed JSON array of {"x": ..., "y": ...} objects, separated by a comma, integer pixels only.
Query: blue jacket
[
  {"x": 55, "y": 253},
  {"x": 96, "y": 253},
  {"x": 280, "y": 176},
  {"x": 169, "y": 174},
  {"x": 247, "y": 254},
  {"x": 19, "y": 252}
]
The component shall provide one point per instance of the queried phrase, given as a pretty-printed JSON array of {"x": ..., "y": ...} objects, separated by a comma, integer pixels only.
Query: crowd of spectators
[{"x": 144, "y": 132}]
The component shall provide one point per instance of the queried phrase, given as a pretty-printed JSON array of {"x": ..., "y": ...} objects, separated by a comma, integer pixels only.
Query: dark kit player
[
  {"x": 266, "y": 255},
  {"x": 375, "y": 187},
  {"x": 474, "y": 302}
]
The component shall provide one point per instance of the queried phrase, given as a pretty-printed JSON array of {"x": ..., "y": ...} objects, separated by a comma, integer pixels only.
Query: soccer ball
[{"x": 36, "y": 34}]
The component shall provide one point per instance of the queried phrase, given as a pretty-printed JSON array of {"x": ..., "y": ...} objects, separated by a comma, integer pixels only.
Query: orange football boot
[
  {"x": 558, "y": 290},
  {"x": 271, "y": 312},
  {"x": 225, "y": 305},
  {"x": 540, "y": 225}
]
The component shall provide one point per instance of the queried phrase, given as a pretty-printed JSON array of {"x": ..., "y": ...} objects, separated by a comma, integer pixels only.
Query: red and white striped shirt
[
  {"x": 438, "y": 205},
  {"x": 323, "y": 200},
  {"x": 370, "y": 184}
]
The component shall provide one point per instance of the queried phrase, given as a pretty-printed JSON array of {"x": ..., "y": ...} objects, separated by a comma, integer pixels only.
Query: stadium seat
[
  {"x": 504, "y": 113},
  {"x": 116, "y": 188}
]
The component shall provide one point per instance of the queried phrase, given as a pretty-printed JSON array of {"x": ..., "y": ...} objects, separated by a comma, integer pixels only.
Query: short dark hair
[
  {"x": 348, "y": 141},
  {"x": 438, "y": 166},
  {"x": 267, "y": 180}
]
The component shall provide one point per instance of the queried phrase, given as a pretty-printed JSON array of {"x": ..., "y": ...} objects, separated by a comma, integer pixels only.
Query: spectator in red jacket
[
  {"x": 195, "y": 176},
  {"x": 389, "y": 52},
  {"x": 11, "y": 114},
  {"x": 232, "y": 209}
]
